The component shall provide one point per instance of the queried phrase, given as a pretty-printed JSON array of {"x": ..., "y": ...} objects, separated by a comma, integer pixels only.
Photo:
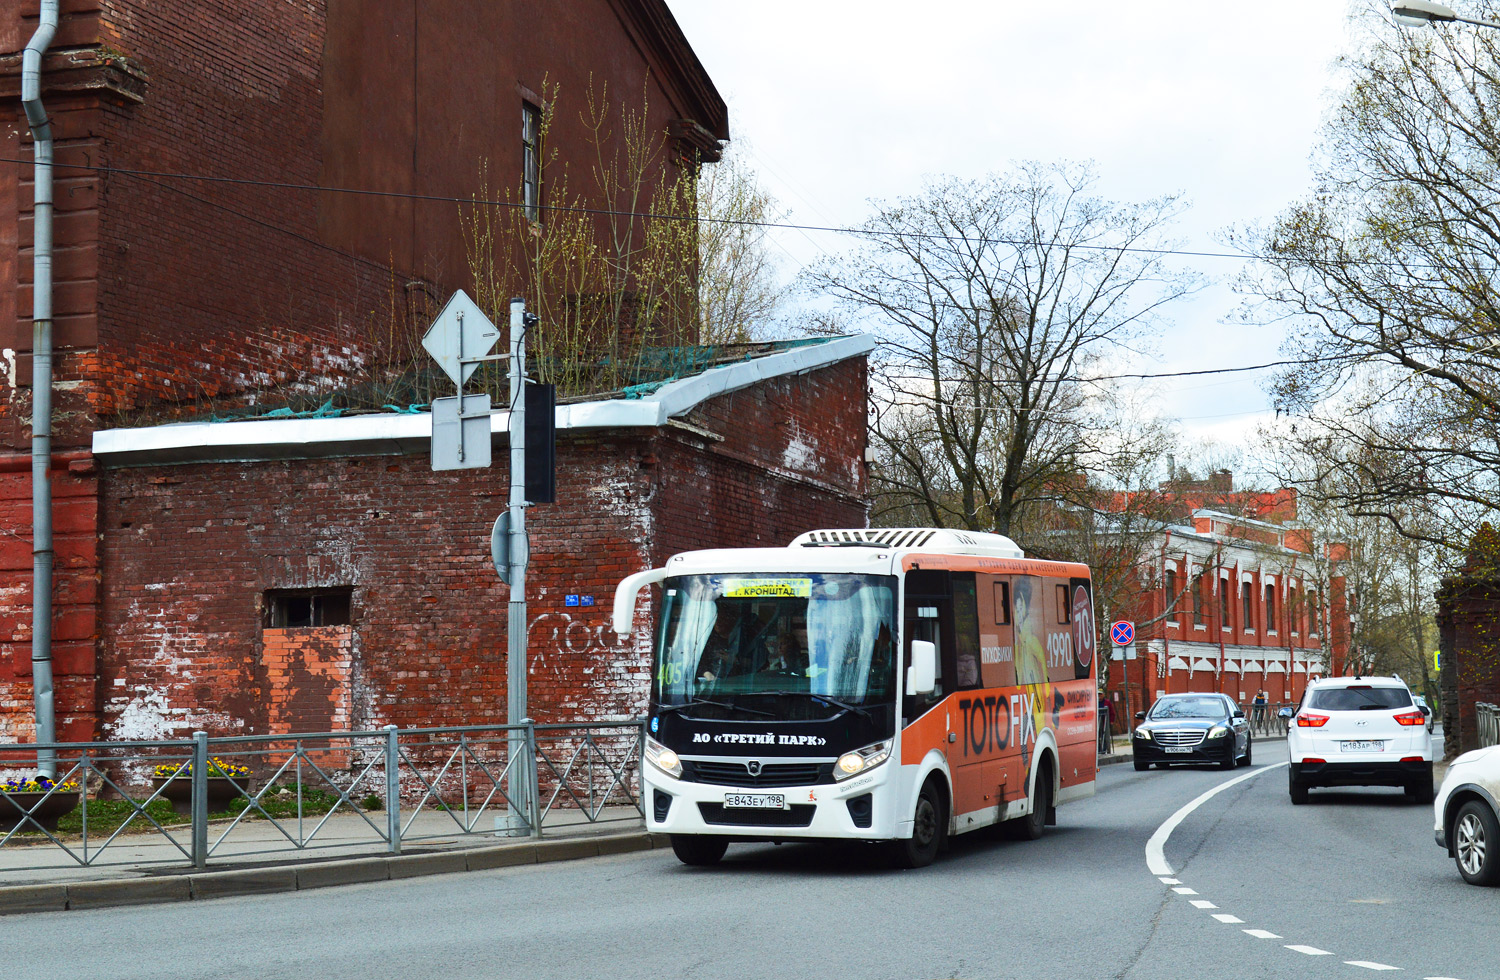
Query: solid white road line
[
  {"x": 1260, "y": 934},
  {"x": 1309, "y": 950},
  {"x": 1155, "y": 859}
]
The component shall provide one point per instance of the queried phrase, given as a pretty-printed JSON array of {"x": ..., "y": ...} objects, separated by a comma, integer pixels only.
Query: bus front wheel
[
  {"x": 698, "y": 850},
  {"x": 929, "y": 828}
]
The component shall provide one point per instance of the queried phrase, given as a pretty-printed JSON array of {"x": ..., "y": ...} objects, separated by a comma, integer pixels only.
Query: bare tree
[
  {"x": 1391, "y": 273},
  {"x": 738, "y": 289},
  {"x": 995, "y": 300}
]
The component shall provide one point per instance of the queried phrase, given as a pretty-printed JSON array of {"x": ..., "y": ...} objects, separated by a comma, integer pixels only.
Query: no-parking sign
[{"x": 1122, "y": 633}]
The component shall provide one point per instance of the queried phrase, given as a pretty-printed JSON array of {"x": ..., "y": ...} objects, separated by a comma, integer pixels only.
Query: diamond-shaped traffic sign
[{"x": 460, "y": 333}]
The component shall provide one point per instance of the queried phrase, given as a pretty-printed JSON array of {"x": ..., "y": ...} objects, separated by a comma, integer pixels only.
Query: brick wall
[
  {"x": 75, "y": 628},
  {"x": 308, "y": 679},
  {"x": 190, "y": 551}
]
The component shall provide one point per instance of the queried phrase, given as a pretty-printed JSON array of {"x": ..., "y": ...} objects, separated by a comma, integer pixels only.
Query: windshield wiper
[
  {"x": 835, "y": 702},
  {"x": 727, "y": 706}
]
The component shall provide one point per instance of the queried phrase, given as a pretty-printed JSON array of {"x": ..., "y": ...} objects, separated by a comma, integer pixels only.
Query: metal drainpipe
[{"x": 41, "y": 387}]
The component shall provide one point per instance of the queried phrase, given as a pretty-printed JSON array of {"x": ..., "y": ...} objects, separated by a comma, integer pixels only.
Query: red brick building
[
  {"x": 201, "y": 255},
  {"x": 1234, "y": 605}
]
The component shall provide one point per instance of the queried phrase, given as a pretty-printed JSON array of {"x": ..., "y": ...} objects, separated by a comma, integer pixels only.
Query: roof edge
[{"x": 396, "y": 435}]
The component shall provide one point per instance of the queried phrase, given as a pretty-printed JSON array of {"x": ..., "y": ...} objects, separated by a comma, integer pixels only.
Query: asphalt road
[{"x": 1353, "y": 877}]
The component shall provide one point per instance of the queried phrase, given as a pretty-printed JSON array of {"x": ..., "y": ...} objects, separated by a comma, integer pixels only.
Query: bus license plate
[
  {"x": 1177, "y": 748},
  {"x": 755, "y": 801},
  {"x": 1364, "y": 746}
]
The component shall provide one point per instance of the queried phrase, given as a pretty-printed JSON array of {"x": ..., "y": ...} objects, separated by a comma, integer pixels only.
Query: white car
[
  {"x": 1465, "y": 811},
  {"x": 1360, "y": 731}
]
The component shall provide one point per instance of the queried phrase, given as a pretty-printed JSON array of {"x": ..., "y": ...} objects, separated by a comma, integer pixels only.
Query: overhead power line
[{"x": 614, "y": 212}]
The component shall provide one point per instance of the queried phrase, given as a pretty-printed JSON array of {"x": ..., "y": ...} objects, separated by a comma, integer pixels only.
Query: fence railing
[
  {"x": 203, "y": 797},
  {"x": 1487, "y": 719},
  {"x": 1270, "y": 720}
]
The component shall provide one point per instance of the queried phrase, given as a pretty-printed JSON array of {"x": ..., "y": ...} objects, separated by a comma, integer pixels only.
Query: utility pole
[{"x": 520, "y": 782}]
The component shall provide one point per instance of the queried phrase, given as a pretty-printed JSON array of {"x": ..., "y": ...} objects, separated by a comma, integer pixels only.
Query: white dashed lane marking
[{"x": 1156, "y": 860}]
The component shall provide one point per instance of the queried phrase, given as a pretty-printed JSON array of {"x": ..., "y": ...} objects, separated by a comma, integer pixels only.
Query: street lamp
[{"x": 1419, "y": 13}]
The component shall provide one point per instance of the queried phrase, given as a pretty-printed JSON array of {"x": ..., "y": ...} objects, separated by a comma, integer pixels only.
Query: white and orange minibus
[{"x": 898, "y": 685}]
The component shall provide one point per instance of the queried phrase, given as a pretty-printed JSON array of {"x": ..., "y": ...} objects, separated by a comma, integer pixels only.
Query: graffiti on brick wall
[{"x": 564, "y": 633}]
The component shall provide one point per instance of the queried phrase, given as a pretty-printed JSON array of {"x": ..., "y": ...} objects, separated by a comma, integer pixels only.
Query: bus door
[
  {"x": 942, "y": 607},
  {"x": 1004, "y": 770}
]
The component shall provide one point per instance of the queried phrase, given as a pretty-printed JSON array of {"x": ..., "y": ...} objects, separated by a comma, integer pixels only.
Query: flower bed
[
  {"x": 25, "y": 803},
  {"x": 225, "y": 781}
]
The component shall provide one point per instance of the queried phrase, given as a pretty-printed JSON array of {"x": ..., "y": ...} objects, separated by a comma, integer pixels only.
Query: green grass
[{"x": 106, "y": 816}]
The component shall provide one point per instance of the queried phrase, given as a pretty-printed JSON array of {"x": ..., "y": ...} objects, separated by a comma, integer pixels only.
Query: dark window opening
[
  {"x": 1198, "y": 600},
  {"x": 294, "y": 610},
  {"x": 531, "y": 161},
  {"x": 1064, "y": 611},
  {"x": 1248, "y": 610}
]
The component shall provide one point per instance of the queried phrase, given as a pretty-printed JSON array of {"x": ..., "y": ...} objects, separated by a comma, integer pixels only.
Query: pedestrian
[
  {"x": 1258, "y": 709},
  {"x": 1106, "y": 727}
]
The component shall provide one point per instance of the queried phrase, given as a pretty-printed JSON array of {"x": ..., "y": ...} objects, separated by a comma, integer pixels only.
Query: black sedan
[{"x": 1196, "y": 728}]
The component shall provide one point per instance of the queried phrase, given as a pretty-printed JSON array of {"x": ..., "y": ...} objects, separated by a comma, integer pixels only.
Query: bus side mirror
[
  {"x": 625, "y": 593},
  {"x": 921, "y": 676}
]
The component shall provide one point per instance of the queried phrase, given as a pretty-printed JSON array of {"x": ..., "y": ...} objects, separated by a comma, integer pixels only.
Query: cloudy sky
[{"x": 840, "y": 102}]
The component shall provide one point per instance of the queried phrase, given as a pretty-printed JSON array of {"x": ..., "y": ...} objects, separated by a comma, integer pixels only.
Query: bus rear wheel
[
  {"x": 698, "y": 850},
  {"x": 929, "y": 828},
  {"x": 1032, "y": 826}
]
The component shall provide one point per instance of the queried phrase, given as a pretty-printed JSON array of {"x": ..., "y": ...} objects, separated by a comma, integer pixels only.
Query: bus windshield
[{"x": 818, "y": 637}]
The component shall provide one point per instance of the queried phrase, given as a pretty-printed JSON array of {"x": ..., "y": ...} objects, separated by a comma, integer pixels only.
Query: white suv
[{"x": 1360, "y": 731}]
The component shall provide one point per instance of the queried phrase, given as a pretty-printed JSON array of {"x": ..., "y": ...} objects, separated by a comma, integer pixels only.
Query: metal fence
[
  {"x": 1487, "y": 719},
  {"x": 380, "y": 789},
  {"x": 1270, "y": 720}
]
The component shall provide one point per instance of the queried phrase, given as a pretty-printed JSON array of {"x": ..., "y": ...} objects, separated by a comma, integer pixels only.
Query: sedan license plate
[
  {"x": 1177, "y": 748},
  {"x": 755, "y": 801},
  {"x": 1365, "y": 746}
]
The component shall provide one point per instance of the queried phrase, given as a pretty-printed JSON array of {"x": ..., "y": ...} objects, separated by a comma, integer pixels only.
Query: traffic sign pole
[{"x": 522, "y": 764}]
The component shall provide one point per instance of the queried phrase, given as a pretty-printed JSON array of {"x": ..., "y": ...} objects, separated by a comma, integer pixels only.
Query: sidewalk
[{"x": 138, "y": 869}]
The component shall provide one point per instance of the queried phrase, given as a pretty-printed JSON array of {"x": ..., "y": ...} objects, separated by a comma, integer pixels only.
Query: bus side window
[
  {"x": 1002, "y": 603},
  {"x": 965, "y": 631}
]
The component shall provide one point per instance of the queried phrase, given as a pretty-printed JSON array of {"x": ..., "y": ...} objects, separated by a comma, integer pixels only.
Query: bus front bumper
[{"x": 857, "y": 809}]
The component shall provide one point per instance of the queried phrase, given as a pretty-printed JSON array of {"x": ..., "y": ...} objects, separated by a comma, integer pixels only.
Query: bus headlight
[
  {"x": 860, "y": 760},
  {"x": 663, "y": 758}
]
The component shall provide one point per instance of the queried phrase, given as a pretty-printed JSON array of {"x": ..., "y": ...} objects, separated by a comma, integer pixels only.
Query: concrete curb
[{"x": 199, "y": 885}]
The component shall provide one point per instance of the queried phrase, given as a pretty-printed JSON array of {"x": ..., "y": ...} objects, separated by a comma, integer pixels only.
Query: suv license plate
[
  {"x": 1364, "y": 746},
  {"x": 755, "y": 801},
  {"x": 1177, "y": 748}
]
